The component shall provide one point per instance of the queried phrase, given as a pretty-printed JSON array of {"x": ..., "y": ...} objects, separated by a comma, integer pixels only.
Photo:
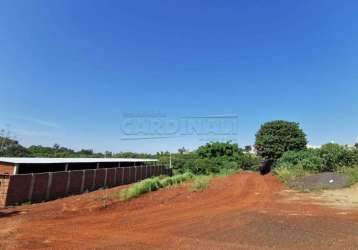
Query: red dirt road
[{"x": 243, "y": 211}]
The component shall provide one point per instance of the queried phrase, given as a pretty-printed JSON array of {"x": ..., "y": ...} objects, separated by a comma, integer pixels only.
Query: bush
[
  {"x": 330, "y": 157},
  {"x": 335, "y": 156},
  {"x": 249, "y": 161},
  {"x": 212, "y": 159},
  {"x": 351, "y": 173},
  {"x": 287, "y": 174},
  {"x": 276, "y": 137},
  {"x": 309, "y": 160},
  {"x": 206, "y": 166}
]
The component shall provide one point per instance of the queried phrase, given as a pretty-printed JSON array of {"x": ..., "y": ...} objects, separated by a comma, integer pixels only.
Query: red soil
[{"x": 243, "y": 211}]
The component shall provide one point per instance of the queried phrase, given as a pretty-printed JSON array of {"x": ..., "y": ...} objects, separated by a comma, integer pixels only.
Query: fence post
[
  {"x": 49, "y": 184},
  {"x": 94, "y": 180},
  {"x": 122, "y": 176},
  {"x": 141, "y": 173},
  {"x": 68, "y": 182},
  {"x": 135, "y": 173},
  {"x": 105, "y": 177},
  {"x": 31, "y": 189},
  {"x": 115, "y": 177},
  {"x": 83, "y": 180}
]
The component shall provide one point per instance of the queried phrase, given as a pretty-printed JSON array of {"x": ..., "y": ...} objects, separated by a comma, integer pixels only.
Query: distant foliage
[
  {"x": 305, "y": 159},
  {"x": 58, "y": 151},
  {"x": 330, "y": 157},
  {"x": 277, "y": 137},
  {"x": 12, "y": 148},
  {"x": 213, "y": 158},
  {"x": 335, "y": 156},
  {"x": 219, "y": 149}
]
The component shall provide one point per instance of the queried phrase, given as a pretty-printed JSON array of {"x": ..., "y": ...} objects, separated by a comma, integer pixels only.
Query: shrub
[
  {"x": 181, "y": 163},
  {"x": 335, "y": 156},
  {"x": 276, "y": 137},
  {"x": 309, "y": 160},
  {"x": 287, "y": 174},
  {"x": 218, "y": 164},
  {"x": 351, "y": 173},
  {"x": 206, "y": 166},
  {"x": 211, "y": 158},
  {"x": 249, "y": 161}
]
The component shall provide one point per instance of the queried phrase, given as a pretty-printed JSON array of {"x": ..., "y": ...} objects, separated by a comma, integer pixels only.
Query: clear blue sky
[{"x": 69, "y": 70}]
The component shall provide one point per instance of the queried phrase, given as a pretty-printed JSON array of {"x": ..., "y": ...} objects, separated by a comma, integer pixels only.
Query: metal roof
[{"x": 29, "y": 160}]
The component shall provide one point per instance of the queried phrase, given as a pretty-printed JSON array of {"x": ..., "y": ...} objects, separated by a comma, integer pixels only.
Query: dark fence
[{"x": 18, "y": 189}]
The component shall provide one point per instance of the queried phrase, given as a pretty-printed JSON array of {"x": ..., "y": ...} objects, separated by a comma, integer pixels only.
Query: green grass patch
[
  {"x": 152, "y": 184},
  {"x": 228, "y": 171},
  {"x": 200, "y": 183},
  {"x": 351, "y": 173}
]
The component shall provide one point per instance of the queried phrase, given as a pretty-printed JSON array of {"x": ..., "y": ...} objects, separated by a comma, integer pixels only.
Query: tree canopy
[{"x": 276, "y": 137}]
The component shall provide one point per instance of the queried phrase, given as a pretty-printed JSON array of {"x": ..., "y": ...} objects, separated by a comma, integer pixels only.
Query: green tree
[
  {"x": 219, "y": 149},
  {"x": 276, "y": 137},
  {"x": 12, "y": 148}
]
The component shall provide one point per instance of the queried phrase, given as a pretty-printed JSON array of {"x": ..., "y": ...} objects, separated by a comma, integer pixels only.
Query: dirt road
[{"x": 243, "y": 211}]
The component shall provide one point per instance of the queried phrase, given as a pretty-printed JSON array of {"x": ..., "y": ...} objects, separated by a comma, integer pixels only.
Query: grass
[
  {"x": 351, "y": 173},
  {"x": 228, "y": 171},
  {"x": 200, "y": 183},
  {"x": 152, "y": 184},
  {"x": 287, "y": 174}
]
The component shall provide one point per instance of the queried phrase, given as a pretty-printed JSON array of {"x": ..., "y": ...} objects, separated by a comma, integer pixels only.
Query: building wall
[
  {"x": 4, "y": 186},
  {"x": 6, "y": 168},
  {"x": 38, "y": 187}
]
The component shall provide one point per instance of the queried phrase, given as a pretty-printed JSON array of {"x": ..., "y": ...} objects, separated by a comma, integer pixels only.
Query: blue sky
[{"x": 70, "y": 70}]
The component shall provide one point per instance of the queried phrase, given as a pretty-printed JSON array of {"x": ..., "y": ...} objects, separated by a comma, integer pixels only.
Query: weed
[
  {"x": 200, "y": 183},
  {"x": 351, "y": 173},
  {"x": 228, "y": 171},
  {"x": 287, "y": 174}
]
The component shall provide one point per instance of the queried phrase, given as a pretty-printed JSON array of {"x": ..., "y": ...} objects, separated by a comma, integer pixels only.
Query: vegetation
[
  {"x": 285, "y": 143},
  {"x": 212, "y": 158},
  {"x": 336, "y": 156},
  {"x": 152, "y": 184},
  {"x": 217, "y": 149},
  {"x": 307, "y": 160},
  {"x": 11, "y": 148},
  {"x": 329, "y": 158},
  {"x": 351, "y": 173},
  {"x": 287, "y": 174},
  {"x": 200, "y": 183},
  {"x": 277, "y": 137}
]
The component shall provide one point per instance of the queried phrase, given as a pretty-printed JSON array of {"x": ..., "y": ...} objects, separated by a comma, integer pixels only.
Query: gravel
[{"x": 325, "y": 180}]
